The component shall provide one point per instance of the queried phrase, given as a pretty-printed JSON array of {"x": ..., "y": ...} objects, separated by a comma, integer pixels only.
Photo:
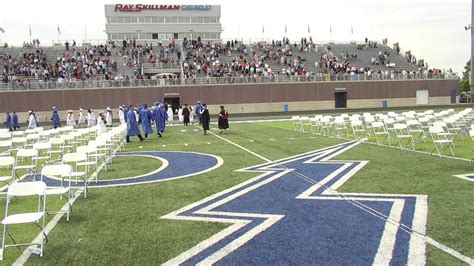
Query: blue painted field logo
[
  {"x": 292, "y": 214},
  {"x": 175, "y": 165}
]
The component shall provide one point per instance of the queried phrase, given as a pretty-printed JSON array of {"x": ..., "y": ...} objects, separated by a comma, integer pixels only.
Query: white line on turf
[
  {"x": 241, "y": 147},
  {"x": 419, "y": 233}
]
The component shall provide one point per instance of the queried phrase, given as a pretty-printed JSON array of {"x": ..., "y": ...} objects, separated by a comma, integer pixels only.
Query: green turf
[
  {"x": 120, "y": 167},
  {"x": 121, "y": 225}
]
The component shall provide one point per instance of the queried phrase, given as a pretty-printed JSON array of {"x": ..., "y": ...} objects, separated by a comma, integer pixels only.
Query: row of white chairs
[
  {"x": 407, "y": 127},
  {"x": 74, "y": 165}
]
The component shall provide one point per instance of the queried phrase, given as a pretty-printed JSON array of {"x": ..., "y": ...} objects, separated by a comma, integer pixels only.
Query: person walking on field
[
  {"x": 205, "y": 118},
  {"x": 186, "y": 114},
  {"x": 223, "y": 120}
]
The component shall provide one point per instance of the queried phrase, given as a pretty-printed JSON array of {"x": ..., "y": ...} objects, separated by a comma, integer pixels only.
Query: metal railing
[{"x": 39, "y": 85}]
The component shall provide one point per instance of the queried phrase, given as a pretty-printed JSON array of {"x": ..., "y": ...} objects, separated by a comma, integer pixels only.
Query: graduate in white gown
[
  {"x": 91, "y": 119},
  {"x": 31, "y": 120},
  {"x": 170, "y": 114},
  {"x": 70, "y": 119},
  {"x": 82, "y": 120},
  {"x": 101, "y": 128},
  {"x": 122, "y": 116},
  {"x": 180, "y": 115},
  {"x": 191, "y": 114},
  {"x": 108, "y": 117}
]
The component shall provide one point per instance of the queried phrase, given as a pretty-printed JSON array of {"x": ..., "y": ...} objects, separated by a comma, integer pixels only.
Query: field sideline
[{"x": 122, "y": 225}]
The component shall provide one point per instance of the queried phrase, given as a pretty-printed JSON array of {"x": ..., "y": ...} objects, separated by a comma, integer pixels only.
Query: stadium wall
[{"x": 238, "y": 98}]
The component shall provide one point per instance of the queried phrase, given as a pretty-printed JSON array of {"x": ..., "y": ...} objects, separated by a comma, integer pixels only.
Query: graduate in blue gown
[
  {"x": 8, "y": 121},
  {"x": 15, "y": 121},
  {"x": 160, "y": 116},
  {"x": 146, "y": 117},
  {"x": 197, "y": 111},
  {"x": 55, "y": 118},
  {"x": 132, "y": 125}
]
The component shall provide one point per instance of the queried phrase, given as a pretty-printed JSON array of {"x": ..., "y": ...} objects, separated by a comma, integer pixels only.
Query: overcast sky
[{"x": 433, "y": 30}]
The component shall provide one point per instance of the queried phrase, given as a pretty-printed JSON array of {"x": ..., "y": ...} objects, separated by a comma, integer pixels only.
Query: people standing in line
[
  {"x": 223, "y": 120},
  {"x": 146, "y": 117},
  {"x": 132, "y": 125},
  {"x": 205, "y": 118},
  {"x": 101, "y": 128},
  {"x": 82, "y": 120},
  {"x": 108, "y": 117},
  {"x": 170, "y": 113},
  {"x": 197, "y": 111},
  {"x": 8, "y": 122},
  {"x": 31, "y": 120},
  {"x": 16, "y": 126},
  {"x": 91, "y": 119},
  {"x": 70, "y": 119},
  {"x": 185, "y": 113},
  {"x": 122, "y": 115},
  {"x": 55, "y": 118}
]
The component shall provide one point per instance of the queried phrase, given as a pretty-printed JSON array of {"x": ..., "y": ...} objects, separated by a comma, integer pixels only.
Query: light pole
[{"x": 471, "y": 85}]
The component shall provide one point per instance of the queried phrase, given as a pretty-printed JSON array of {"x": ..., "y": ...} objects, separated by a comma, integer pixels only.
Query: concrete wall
[{"x": 238, "y": 98}]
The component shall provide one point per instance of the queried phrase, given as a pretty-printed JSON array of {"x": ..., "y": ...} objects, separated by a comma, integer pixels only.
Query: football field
[{"x": 266, "y": 194}]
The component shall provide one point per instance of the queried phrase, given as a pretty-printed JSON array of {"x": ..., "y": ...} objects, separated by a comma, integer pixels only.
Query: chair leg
[{"x": 3, "y": 241}]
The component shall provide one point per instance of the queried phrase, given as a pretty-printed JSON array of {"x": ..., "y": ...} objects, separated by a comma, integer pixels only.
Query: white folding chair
[
  {"x": 297, "y": 123},
  {"x": 6, "y": 147},
  {"x": 59, "y": 171},
  {"x": 44, "y": 151},
  {"x": 415, "y": 130},
  {"x": 379, "y": 131},
  {"x": 358, "y": 129},
  {"x": 306, "y": 124},
  {"x": 5, "y": 136},
  {"x": 26, "y": 159},
  {"x": 327, "y": 125},
  {"x": 37, "y": 217},
  {"x": 402, "y": 133},
  {"x": 31, "y": 139},
  {"x": 339, "y": 126},
  {"x": 57, "y": 148},
  {"x": 18, "y": 143},
  {"x": 92, "y": 160},
  {"x": 7, "y": 163},
  {"x": 75, "y": 160},
  {"x": 441, "y": 141}
]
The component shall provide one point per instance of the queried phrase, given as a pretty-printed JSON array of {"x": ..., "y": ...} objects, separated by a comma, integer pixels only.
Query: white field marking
[
  {"x": 449, "y": 250},
  {"x": 163, "y": 146},
  {"x": 208, "y": 143},
  {"x": 164, "y": 164},
  {"x": 389, "y": 236},
  {"x": 384, "y": 253},
  {"x": 272, "y": 140},
  {"x": 243, "y": 148},
  {"x": 219, "y": 163},
  {"x": 251, "y": 141},
  {"x": 373, "y": 143},
  {"x": 186, "y": 144},
  {"x": 465, "y": 177},
  {"x": 292, "y": 138},
  {"x": 270, "y": 219},
  {"x": 235, "y": 244},
  {"x": 21, "y": 260}
]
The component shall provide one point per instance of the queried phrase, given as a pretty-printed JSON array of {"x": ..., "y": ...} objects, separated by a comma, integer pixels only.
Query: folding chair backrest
[
  {"x": 369, "y": 119},
  {"x": 434, "y": 130},
  {"x": 5, "y": 136},
  {"x": 413, "y": 123},
  {"x": 56, "y": 170},
  {"x": 7, "y": 161},
  {"x": 74, "y": 157},
  {"x": 27, "y": 153},
  {"x": 27, "y": 189},
  {"x": 17, "y": 134},
  {"x": 378, "y": 125},
  {"x": 38, "y": 129},
  {"x": 400, "y": 126},
  {"x": 339, "y": 120},
  {"x": 42, "y": 146}
]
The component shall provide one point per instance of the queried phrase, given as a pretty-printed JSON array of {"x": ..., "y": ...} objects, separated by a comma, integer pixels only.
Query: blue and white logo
[
  {"x": 174, "y": 165},
  {"x": 291, "y": 213}
]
